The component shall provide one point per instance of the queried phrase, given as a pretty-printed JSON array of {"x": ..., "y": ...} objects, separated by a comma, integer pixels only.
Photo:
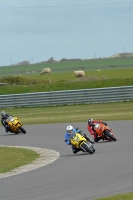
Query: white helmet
[{"x": 69, "y": 128}]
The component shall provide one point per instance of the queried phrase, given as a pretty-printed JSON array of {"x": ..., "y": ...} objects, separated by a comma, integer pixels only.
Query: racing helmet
[
  {"x": 3, "y": 113},
  {"x": 69, "y": 128},
  {"x": 90, "y": 120}
]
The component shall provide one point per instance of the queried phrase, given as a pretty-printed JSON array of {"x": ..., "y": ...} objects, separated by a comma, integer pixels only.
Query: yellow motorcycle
[
  {"x": 80, "y": 142},
  {"x": 15, "y": 126}
]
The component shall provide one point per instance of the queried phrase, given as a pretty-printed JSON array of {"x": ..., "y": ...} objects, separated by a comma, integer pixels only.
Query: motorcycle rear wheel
[
  {"x": 22, "y": 129},
  {"x": 85, "y": 148},
  {"x": 107, "y": 133}
]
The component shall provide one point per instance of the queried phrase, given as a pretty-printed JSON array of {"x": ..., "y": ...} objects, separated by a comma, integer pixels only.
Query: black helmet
[
  {"x": 90, "y": 120},
  {"x": 3, "y": 113}
]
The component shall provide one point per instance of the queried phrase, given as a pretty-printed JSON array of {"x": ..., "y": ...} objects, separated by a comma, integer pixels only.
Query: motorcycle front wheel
[
  {"x": 22, "y": 129},
  {"x": 86, "y": 148},
  {"x": 108, "y": 135}
]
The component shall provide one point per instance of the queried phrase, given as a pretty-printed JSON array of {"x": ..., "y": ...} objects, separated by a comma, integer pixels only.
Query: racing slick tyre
[
  {"x": 22, "y": 129},
  {"x": 94, "y": 150},
  {"x": 86, "y": 148},
  {"x": 107, "y": 133}
]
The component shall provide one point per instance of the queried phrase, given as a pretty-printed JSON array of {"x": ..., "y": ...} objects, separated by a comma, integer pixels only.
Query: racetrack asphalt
[{"x": 107, "y": 172}]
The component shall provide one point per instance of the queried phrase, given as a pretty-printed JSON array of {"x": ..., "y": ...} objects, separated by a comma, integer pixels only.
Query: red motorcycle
[{"x": 104, "y": 132}]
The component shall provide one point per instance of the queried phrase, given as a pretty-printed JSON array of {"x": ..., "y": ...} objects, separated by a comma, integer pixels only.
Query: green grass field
[
  {"x": 66, "y": 81},
  {"x": 74, "y": 113},
  {"x": 113, "y": 72},
  {"x": 11, "y": 158},
  {"x": 68, "y": 66}
]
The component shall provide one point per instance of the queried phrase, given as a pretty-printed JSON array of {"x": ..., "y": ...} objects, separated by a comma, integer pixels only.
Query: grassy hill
[
  {"x": 67, "y": 66},
  {"x": 99, "y": 73}
]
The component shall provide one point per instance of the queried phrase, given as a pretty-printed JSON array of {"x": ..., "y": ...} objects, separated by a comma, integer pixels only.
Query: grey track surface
[
  {"x": 46, "y": 156},
  {"x": 72, "y": 177}
]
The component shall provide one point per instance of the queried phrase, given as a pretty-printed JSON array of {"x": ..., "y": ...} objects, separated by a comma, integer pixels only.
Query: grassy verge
[
  {"x": 127, "y": 196},
  {"x": 18, "y": 89},
  {"x": 74, "y": 113},
  {"x": 11, "y": 158}
]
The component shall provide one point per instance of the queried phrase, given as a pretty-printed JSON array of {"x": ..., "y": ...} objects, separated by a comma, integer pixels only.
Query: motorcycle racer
[
  {"x": 69, "y": 131},
  {"x": 90, "y": 127},
  {"x": 4, "y": 117}
]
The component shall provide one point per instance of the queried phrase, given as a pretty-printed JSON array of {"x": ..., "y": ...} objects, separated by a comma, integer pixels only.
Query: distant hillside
[
  {"x": 51, "y": 60},
  {"x": 66, "y": 60}
]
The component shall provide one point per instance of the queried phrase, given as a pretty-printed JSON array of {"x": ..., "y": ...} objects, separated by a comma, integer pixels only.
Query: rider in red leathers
[{"x": 90, "y": 126}]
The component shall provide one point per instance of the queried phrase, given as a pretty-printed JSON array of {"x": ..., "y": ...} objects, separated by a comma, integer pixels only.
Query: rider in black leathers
[{"x": 4, "y": 116}]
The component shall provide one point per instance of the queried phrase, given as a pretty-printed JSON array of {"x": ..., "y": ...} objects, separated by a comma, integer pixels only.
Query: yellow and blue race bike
[
  {"x": 15, "y": 125},
  {"x": 80, "y": 142}
]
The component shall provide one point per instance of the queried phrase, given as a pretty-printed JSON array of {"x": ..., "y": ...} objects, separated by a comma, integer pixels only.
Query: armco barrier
[{"x": 69, "y": 97}]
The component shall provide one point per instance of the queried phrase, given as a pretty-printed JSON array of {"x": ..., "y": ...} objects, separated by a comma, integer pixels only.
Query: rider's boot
[
  {"x": 99, "y": 138},
  {"x": 6, "y": 129}
]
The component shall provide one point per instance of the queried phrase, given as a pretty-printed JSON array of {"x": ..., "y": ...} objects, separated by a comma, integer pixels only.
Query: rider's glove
[
  {"x": 79, "y": 131},
  {"x": 67, "y": 141}
]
